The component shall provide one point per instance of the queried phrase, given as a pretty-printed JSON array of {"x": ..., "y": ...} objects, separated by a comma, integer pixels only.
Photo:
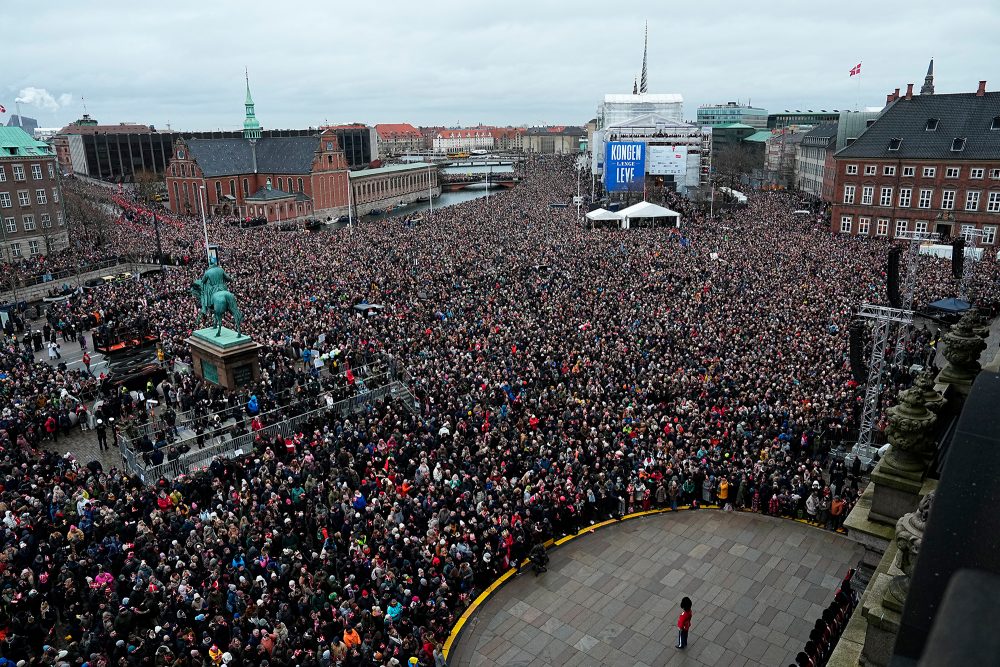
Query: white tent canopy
[
  {"x": 603, "y": 214},
  {"x": 646, "y": 213}
]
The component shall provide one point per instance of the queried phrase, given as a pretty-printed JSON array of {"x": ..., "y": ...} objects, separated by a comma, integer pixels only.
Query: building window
[
  {"x": 15, "y": 249},
  {"x": 3, "y": 174},
  {"x": 18, "y": 172},
  {"x": 29, "y": 222},
  {"x": 852, "y": 170},
  {"x": 23, "y": 198},
  {"x": 246, "y": 188},
  {"x": 59, "y": 218},
  {"x": 994, "y": 173},
  {"x": 920, "y": 226},
  {"x": 889, "y": 170},
  {"x": 885, "y": 197},
  {"x": 11, "y": 225},
  {"x": 958, "y": 144},
  {"x": 845, "y": 224},
  {"x": 870, "y": 169},
  {"x": 232, "y": 188},
  {"x": 977, "y": 173},
  {"x": 46, "y": 221},
  {"x": 932, "y": 124},
  {"x": 36, "y": 172},
  {"x": 33, "y": 248},
  {"x": 218, "y": 192},
  {"x": 952, "y": 172},
  {"x": 948, "y": 200},
  {"x": 864, "y": 224},
  {"x": 992, "y": 204},
  {"x": 967, "y": 232},
  {"x": 55, "y": 195},
  {"x": 4, "y": 200},
  {"x": 300, "y": 184},
  {"x": 281, "y": 184},
  {"x": 901, "y": 226},
  {"x": 882, "y": 227},
  {"x": 925, "y": 198},
  {"x": 904, "y": 197},
  {"x": 40, "y": 196},
  {"x": 929, "y": 172},
  {"x": 989, "y": 234},
  {"x": 972, "y": 200},
  {"x": 867, "y": 194},
  {"x": 909, "y": 171},
  {"x": 52, "y": 171},
  {"x": 895, "y": 143}
]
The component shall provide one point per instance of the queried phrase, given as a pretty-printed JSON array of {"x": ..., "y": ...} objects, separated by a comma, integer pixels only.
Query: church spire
[
  {"x": 928, "y": 87},
  {"x": 251, "y": 126},
  {"x": 635, "y": 86},
  {"x": 645, "y": 45}
]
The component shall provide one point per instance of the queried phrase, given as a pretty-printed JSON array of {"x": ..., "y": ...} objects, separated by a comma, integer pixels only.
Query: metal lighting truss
[
  {"x": 883, "y": 319},
  {"x": 972, "y": 237},
  {"x": 910, "y": 281}
]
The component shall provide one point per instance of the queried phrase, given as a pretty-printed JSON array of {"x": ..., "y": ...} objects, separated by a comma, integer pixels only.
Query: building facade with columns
[{"x": 277, "y": 178}]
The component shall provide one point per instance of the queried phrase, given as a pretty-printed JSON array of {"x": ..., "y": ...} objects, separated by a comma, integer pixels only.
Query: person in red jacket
[{"x": 684, "y": 623}]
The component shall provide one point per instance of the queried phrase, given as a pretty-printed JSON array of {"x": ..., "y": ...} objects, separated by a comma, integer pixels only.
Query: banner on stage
[{"x": 624, "y": 165}]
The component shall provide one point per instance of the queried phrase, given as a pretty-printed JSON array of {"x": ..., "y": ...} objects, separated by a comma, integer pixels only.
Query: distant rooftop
[
  {"x": 409, "y": 166},
  {"x": 15, "y": 142}
]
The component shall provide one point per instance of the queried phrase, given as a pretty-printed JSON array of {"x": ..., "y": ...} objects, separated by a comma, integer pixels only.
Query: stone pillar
[
  {"x": 884, "y": 600},
  {"x": 899, "y": 477},
  {"x": 925, "y": 383},
  {"x": 962, "y": 349}
]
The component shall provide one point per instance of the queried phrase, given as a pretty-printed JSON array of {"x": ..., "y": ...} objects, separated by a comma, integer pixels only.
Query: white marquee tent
[
  {"x": 646, "y": 214},
  {"x": 602, "y": 217}
]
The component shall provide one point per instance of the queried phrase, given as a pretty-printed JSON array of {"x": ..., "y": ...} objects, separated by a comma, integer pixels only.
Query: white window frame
[
  {"x": 28, "y": 222},
  {"x": 989, "y": 234},
  {"x": 952, "y": 172},
  {"x": 901, "y": 226},
  {"x": 55, "y": 195},
  {"x": 15, "y": 250},
  {"x": 24, "y": 198},
  {"x": 46, "y": 220},
  {"x": 41, "y": 197},
  {"x": 977, "y": 173},
  {"x": 972, "y": 200},
  {"x": 849, "y": 191},
  {"x": 867, "y": 195},
  {"x": 5, "y": 201},
  {"x": 926, "y": 194},
  {"x": 885, "y": 196},
  {"x": 905, "y": 197},
  {"x": 993, "y": 202},
  {"x": 947, "y": 200},
  {"x": 34, "y": 248},
  {"x": 864, "y": 226},
  {"x": 882, "y": 227},
  {"x": 889, "y": 170},
  {"x": 11, "y": 225},
  {"x": 994, "y": 173},
  {"x": 3, "y": 174},
  {"x": 845, "y": 224},
  {"x": 18, "y": 172},
  {"x": 929, "y": 172},
  {"x": 871, "y": 169},
  {"x": 59, "y": 218},
  {"x": 52, "y": 171},
  {"x": 920, "y": 226},
  {"x": 909, "y": 171},
  {"x": 967, "y": 232},
  {"x": 852, "y": 170},
  {"x": 36, "y": 172}
]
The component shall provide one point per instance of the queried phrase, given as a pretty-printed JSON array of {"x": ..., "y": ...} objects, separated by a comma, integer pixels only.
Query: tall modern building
[
  {"x": 30, "y": 199},
  {"x": 731, "y": 112}
]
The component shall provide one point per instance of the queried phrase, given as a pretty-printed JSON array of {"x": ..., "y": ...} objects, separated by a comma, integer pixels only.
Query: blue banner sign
[{"x": 624, "y": 165}]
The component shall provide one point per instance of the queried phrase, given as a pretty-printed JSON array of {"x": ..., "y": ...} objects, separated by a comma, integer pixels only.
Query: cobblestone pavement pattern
[{"x": 612, "y": 598}]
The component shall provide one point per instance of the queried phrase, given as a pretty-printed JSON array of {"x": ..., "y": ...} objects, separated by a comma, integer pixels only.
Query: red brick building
[
  {"x": 398, "y": 139},
  {"x": 930, "y": 163},
  {"x": 279, "y": 178}
]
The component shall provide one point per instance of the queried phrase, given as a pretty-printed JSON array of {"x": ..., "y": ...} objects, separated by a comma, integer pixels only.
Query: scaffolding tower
[
  {"x": 883, "y": 319},
  {"x": 909, "y": 283},
  {"x": 972, "y": 237}
]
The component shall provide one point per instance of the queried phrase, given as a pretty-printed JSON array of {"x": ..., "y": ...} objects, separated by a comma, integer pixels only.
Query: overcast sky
[{"x": 469, "y": 62}]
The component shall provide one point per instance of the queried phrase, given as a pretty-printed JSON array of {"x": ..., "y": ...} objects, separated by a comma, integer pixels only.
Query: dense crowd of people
[{"x": 562, "y": 376}]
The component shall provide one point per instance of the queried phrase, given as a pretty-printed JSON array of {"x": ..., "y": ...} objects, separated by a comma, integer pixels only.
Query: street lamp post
[
  {"x": 204, "y": 222},
  {"x": 430, "y": 189}
]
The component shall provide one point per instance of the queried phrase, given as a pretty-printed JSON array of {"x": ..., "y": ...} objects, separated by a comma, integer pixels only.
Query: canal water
[{"x": 459, "y": 196}]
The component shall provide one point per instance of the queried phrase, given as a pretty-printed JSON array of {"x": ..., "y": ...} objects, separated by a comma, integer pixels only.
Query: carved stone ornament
[
  {"x": 962, "y": 347},
  {"x": 909, "y": 431},
  {"x": 925, "y": 383},
  {"x": 909, "y": 536}
]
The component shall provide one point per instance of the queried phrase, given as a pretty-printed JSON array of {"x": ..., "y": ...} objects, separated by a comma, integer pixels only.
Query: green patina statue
[{"x": 212, "y": 291}]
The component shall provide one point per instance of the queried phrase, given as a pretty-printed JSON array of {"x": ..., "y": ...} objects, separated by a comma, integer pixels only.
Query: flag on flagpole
[
  {"x": 856, "y": 69},
  {"x": 3, "y": 109}
]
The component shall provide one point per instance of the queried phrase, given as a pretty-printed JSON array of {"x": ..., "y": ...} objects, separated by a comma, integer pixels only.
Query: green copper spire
[{"x": 251, "y": 126}]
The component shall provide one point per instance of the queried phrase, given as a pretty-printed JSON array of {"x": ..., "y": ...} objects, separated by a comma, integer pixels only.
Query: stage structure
[
  {"x": 972, "y": 238},
  {"x": 883, "y": 321},
  {"x": 916, "y": 239}
]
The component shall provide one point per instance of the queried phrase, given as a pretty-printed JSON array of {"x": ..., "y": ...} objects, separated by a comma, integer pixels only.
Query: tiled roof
[
  {"x": 959, "y": 116},
  {"x": 397, "y": 130},
  {"x": 265, "y": 194},
  {"x": 464, "y": 133},
  {"x": 275, "y": 155},
  {"x": 389, "y": 169}
]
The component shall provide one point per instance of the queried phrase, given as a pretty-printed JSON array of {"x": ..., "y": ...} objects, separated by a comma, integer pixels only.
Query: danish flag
[{"x": 856, "y": 69}]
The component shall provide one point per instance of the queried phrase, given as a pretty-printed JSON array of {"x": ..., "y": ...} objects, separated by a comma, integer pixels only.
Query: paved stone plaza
[{"x": 612, "y": 598}]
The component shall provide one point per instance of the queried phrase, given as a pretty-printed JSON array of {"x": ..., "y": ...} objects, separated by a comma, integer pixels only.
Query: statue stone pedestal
[
  {"x": 883, "y": 624},
  {"x": 229, "y": 360},
  {"x": 896, "y": 492}
]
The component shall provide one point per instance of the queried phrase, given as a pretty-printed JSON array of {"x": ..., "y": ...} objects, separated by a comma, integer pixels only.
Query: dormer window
[
  {"x": 958, "y": 144},
  {"x": 995, "y": 125},
  {"x": 932, "y": 124},
  {"x": 895, "y": 143}
]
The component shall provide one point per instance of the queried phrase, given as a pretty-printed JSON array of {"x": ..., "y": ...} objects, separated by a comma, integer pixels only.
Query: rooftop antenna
[{"x": 84, "y": 102}]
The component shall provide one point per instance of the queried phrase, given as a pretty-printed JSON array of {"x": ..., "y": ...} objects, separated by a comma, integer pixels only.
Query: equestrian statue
[{"x": 212, "y": 291}]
